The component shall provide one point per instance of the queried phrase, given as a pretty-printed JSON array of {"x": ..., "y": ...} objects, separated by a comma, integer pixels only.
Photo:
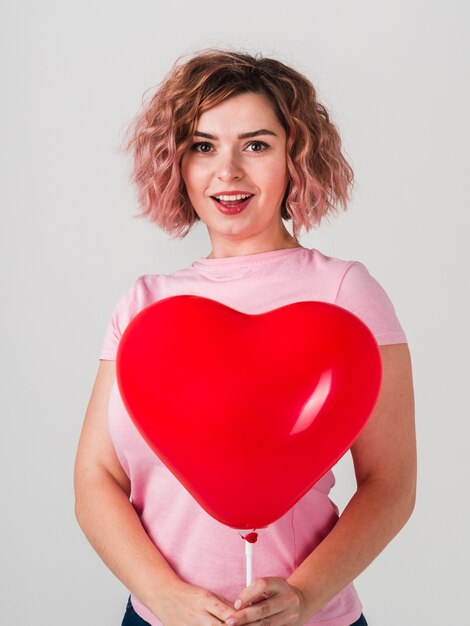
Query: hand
[
  {"x": 188, "y": 605},
  {"x": 270, "y": 600}
]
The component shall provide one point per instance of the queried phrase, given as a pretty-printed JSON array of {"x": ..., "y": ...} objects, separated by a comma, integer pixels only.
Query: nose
[{"x": 229, "y": 166}]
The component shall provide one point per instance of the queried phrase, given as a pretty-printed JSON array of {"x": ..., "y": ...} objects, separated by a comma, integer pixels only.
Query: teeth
[{"x": 233, "y": 198}]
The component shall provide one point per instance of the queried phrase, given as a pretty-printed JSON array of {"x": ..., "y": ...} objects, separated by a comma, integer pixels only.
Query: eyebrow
[{"x": 253, "y": 133}]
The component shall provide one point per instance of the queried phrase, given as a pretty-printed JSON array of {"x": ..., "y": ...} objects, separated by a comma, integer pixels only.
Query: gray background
[{"x": 394, "y": 78}]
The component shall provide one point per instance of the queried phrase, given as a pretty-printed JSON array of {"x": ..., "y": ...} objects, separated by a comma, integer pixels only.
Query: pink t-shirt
[{"x": 201, "y": 550}]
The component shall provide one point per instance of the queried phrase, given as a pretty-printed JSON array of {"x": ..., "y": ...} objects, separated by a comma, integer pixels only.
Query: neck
[{"x": 244, "y": 250}]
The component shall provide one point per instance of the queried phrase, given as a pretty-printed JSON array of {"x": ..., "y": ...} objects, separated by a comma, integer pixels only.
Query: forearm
[
  {"x": 113, "y": 528},
  {"x": 374, "y": 515}
]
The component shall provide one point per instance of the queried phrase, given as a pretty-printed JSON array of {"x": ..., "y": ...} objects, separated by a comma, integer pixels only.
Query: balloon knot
[{"x": 251, "y": 537}]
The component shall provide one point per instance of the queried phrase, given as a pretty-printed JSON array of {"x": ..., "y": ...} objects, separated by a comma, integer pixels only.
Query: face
[{"x": 221, "y": 160}]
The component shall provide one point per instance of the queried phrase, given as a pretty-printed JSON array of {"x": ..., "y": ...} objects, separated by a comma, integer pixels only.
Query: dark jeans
[{"x": 132, "y": 619}]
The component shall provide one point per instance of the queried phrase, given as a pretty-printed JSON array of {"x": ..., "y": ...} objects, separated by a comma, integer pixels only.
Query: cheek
[
  {"x": 275, "y": 182},
  {"x": 192, "y": 175}
]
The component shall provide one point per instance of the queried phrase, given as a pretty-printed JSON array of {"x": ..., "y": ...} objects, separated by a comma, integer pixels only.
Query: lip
[
  {"x": 230, "y": 193},
  {"x": 231, "y": 210}
]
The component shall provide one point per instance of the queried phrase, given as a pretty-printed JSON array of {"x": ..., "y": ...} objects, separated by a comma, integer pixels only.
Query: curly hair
[{"x": 319, "y": 175}]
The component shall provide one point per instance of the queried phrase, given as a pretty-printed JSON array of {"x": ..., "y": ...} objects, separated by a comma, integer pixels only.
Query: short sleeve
[
  {"x": 362, "y": 294},
  {"x": 123, "y": 312}
]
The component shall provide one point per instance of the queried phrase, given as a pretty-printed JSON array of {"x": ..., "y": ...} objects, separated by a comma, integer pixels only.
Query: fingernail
[
  {"x": 237, "y": 605},
  {"x": 231, "y": 622}
]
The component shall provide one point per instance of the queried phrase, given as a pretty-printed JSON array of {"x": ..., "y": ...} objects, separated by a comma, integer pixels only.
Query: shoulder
[
  {"x": 143, "y": 292},
  {"x": 333, "y": 270},
  {"x": 329, "y": 264},
  {"x": 145, "y": 289},
  {"x": 358, "y": 286},
  {"x": 140, "y": 294},
  {"x": 358, "y": 291}
]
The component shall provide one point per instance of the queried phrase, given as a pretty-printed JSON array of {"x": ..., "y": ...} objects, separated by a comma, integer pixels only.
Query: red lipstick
[{"x": 231, "y": 208}]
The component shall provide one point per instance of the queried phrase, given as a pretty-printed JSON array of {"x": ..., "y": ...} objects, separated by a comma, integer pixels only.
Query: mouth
[{"x": 231, "y": 207}]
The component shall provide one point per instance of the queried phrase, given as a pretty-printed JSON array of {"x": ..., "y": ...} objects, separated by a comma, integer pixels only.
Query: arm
[
  {"x": 113, "y": 528},
  {"x": 384, "y": 457},
  {"x": 102, "y": 506}
]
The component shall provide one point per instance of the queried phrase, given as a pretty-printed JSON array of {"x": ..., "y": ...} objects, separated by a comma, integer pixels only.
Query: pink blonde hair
[{"x": 319, "y": 175}]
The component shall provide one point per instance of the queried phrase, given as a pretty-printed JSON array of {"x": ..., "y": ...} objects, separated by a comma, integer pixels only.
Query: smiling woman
[
  {"x": 262, "y": 119},
  {"x": 241, "y": 144}
]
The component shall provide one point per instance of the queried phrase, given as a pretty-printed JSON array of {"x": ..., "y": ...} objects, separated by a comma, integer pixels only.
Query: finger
[
  {"x": 218, "y": 607},
  {"x": 256, "y": 613},
  {"x": 283, "y": 618},
  {"x": 215, "y": 620},
  {"x": 259, "y": 590}
]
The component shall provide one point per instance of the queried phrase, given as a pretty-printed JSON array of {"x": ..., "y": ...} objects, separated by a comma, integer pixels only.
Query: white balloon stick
[
  {"x": 249, "y": 562},
  {"x": 249, "y": 551}
]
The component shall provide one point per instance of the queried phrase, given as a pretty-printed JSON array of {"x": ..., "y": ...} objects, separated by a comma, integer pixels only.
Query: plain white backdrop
[{"x": 394, "y": 76}]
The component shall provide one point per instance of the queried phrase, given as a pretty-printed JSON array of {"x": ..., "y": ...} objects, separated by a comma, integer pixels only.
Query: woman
[{"x": 240, "y": 143}]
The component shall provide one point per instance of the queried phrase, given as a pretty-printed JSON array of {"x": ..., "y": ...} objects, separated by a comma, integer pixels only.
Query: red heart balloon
[{"x": 248, "y": 411}]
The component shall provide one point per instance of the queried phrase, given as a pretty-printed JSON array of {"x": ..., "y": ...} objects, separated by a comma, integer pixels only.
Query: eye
[
  {"x": 195, "y": 146},
  {"x": 263, "y": 145}
]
